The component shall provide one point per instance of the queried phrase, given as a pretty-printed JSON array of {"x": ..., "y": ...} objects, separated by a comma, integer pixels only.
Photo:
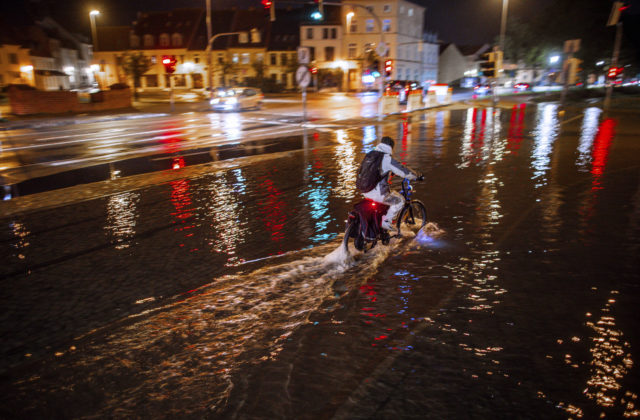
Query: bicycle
[{"x": 364, "y": 223}]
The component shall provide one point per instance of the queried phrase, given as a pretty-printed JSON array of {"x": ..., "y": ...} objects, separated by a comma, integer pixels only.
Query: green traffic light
[{"x": 316, "y": 15}]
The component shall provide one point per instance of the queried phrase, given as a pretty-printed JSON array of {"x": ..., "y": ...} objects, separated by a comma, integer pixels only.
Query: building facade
[
  {"x": 354, "y": 37},
  {"x": 267, "y": 53}
]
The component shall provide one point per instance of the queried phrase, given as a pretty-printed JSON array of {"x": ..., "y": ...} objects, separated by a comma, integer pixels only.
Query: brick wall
[{"x": 30, "y": 102}]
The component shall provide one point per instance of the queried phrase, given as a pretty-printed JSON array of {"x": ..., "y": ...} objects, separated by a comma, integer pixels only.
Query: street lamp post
[
  {"x": 94, "y": 35},
  {"x": 503, "y": 23}
]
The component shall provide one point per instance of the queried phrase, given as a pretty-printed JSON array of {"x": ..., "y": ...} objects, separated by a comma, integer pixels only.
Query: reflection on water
[
  {"x": 610, "y": 364},
  {"x": 21, "y": 238},
  {"x": 223, "y": 216},
  {"x": 184, "y": 210},
  {"x": 516, "y": 127},
  {"x": 347, "y": 166},
  {"x": 480, "y": 130},
  {"x": 316, "y": 193},
  {"x": 545, "y": 134},
  {"x": 588, "y": 133},
  {"x": 122, "y": 216},
  {"x": 272, "y": 207},
  {"x": 369, "y": 138}
]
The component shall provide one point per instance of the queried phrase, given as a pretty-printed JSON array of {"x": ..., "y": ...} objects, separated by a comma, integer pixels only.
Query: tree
[
  {"x": 259, "y": 67},
  {"x": 228, "y": 68},
  {"x": 135, "y": 65}
]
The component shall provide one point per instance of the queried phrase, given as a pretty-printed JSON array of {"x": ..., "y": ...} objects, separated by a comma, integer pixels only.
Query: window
[
  {"x": 353, "y": 51},
  {"x": 283, "y": 59},
  {"x": 329, "y": 53},
  {"x": 273, "y": 59},
  {"x": 176, "y": 40},
  {"x": 259, "y": 57},
  {"x": 220, "y": 58},
  {"x": 148, "y": 40},
  {"x": 283, "y": 79},
  {"x": 369, "y": 8},
  {"x": 245, "y": 58},
  {"x": 325, "y": 33},
  {"x": 312, "y": 53},
  {"x": 386, "y": 25},
  {"x": 1, "y": 79},
  {"x": 411, "y": 12},
  {"x": 334, "y": 33},
  {"x": 13, "y": 58},
  {"x": 134, "y": 40},
  {"x": 387, "y": 8},
  {"x": 164, "y": 40},
  {"x": 309, "y": 33},
  {"x": 196, "y": 59},
  {"x": 235, "y": 58},
  {"x": 151, "y": 80},
  {"x": 369, "y": 27},
  {"x": 354, "y": 26},
  {"x": 179, "y": 80},
  {"x": 153, "y": 59}
]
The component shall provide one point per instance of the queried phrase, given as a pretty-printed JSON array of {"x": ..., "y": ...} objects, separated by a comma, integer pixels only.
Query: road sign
[
  {"x": 303, "y": 77},
  {"x": 382, "y": 49},
  {"x": 304, "y": 55}
]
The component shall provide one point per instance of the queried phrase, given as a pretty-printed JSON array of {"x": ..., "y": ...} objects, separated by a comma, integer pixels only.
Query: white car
[{"x": 236, "y": 99}]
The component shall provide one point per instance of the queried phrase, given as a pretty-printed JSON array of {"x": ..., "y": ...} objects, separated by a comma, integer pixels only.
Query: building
[
  {"x": 43, "y": 54},
  {"x": 265, "y": 53},
  {"x": 365, "y": 32},
  {"x": 459, "y": 64}
]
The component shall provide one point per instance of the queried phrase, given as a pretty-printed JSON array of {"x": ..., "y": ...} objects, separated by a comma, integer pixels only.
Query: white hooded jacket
[{"x": 390, "y": 165}]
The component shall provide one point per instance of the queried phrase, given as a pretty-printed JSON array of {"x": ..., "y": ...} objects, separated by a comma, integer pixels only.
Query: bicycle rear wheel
[{"x": 412, "y": 214}]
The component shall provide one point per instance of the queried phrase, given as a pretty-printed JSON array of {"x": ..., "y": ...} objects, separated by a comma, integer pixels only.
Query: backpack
[{"x": 369, "y": 173}]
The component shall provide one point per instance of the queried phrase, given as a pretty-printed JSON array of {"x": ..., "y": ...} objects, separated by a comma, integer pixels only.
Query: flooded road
[{"x": 216, "y": 291}]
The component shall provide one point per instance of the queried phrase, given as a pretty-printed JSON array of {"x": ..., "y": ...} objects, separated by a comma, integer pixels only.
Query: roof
[
  {"x": 190, "y": 23},
  {"x": 113, "y": 38}
]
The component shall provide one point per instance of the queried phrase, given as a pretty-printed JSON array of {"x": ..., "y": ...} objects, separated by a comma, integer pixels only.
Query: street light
[
  {"x": 94, "y": 35},
  {"x": 503, "y": 24},
  {"x": 554, "y": 59}
]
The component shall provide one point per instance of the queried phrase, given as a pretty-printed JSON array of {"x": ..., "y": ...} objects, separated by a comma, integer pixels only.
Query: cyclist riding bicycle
[{"x": 373, "y": 179}]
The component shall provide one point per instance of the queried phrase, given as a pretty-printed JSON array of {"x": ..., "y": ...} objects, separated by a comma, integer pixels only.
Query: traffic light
[
  {"x": 488, "y": 65},
  {"x": 320, "y": 6},
  {"x": 388, "y": 68},
  {"x": 313, "y": 70},
  {"x": 271, "y": 7},
  {"x": 169, "y": 63},
  {"x": 614, "y": 72}
]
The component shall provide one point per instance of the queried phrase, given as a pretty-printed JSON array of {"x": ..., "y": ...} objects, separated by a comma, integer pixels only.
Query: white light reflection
[
  {"x": 610, "y": 364},
  {"x": 589, "y": 129},
  {"x": 547, "y": 128},
  {"x": 232, "y": 126},
  {"x": 21, "y": 234},
  {"x": 465, "y": 146},
  {"x": 368, "y": 138},
  {"x": 223, "y": 214},
  {"x": 347, "y": 166},
  {"x": 122, "y": 215}
]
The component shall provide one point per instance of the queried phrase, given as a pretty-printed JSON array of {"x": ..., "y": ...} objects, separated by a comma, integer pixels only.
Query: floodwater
[{"x": 224, "y": 293}]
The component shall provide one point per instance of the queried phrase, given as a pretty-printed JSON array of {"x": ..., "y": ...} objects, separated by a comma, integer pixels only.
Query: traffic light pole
[{"x": 614, "y": 63}]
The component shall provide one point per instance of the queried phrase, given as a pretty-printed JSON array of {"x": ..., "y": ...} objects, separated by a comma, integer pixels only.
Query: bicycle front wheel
[{"x": 415, "y": 213}]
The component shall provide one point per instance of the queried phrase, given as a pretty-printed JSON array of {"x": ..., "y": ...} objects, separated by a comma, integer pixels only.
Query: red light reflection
[
  {"x": 181, "y": 200},
  {"x": 516, "y": 126},
  {"x": 272, "y": 208}
]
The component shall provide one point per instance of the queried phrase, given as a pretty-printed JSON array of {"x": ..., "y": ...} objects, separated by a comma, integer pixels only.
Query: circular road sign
[{"x": 303, "y": 77}]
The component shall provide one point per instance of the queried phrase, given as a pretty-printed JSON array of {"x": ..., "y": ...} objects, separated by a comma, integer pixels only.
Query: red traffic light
[
  {"x": 313, "y": 70},
  {"x": 614, "y": 72},
  {"x": 388, "y": 67},
  {"x": 169, "y": 63},
  {"x": 266, "y": 4}
]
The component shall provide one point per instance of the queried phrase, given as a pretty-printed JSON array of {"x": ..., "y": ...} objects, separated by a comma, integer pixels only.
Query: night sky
[{"x": 470, "y": 22}]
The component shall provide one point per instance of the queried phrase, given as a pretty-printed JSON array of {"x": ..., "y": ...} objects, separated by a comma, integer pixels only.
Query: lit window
[
  {"x": 245, "y": 58},
  {"x": 369, "y": 27},
  {"x": 354, "y": 26},
  {"x": 411, "y": 12},
  {"x": 235, "y": 58},
  {"x": 386, "y": 25},
  {"x": 353, "y": 51}
]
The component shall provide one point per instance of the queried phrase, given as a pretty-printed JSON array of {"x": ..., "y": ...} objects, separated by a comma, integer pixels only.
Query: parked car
[
  {"x": 403, "y": 87},
  {"x": 237, "y": 99}
]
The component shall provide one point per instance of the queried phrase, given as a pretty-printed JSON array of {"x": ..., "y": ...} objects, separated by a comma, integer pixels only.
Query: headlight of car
[
  {"x": 232, "y": 100},
  {"x": 214, "y": 101}
]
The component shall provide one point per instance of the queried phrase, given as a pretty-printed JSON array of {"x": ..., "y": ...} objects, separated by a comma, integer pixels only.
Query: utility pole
[
  {"x": 614, "y": 63},
  {"x": 209, "y": 63}
]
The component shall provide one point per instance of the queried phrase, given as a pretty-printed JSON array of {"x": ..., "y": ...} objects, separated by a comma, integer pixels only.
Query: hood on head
[{"x": 384, "y": 148}]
